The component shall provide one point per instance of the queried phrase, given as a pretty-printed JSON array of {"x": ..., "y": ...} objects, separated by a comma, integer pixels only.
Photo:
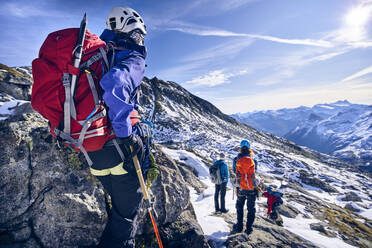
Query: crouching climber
[{"x": 274, "y": 201}]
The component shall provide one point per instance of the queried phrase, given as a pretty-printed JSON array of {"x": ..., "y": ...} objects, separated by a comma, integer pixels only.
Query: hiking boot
[
  {"x": 237, "y": 228},
  {"x": 224, "y": 211},
  {"x": 248, "y": 231},
  {"x": 279, "y": 222}
]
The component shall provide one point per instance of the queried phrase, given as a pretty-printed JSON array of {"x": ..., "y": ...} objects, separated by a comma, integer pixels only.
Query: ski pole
[{"x": 146, "y": 196}]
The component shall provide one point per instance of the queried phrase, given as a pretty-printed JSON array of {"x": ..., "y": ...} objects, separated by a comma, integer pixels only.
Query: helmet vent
[
  {"x": 131, "y": 21},
  {"x": 121, "y": 19},
  {"x": 135, "y": 14},
  {"x": 125, "y": 13},
  {"x": 141, "y": 20},
  {"x": 112, "y": 23}
]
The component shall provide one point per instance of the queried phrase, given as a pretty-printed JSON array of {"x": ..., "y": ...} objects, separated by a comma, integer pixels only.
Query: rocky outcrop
[
  {"x": 49, "y": 198},
  {"x": 266, "y": 235},
  {"x": 16, "y": 82},
  {"x": 313, "y": 181},
  {"x": 176, "y": 217},
  {"x": 352, "y": 196}
]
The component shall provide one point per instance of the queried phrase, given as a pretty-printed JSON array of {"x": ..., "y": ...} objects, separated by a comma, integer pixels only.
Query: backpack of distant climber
[
  {"x": 66, "y": 88},
  {"x": 245, "y": 173},
  {"x": 215, "y": 174}
]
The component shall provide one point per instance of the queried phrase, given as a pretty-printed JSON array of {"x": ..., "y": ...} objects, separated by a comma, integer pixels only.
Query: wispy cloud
[
  {"x": 25, "y": 11},
  {"x": 358, "y": 74},
  {"x": 213, "y": 78},
  {"x": 209, "y": 31},
  {"x": 225, "y": 49}
]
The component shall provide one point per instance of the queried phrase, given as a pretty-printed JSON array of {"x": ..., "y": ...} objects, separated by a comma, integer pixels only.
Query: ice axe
[{"x": 146, "y": 196}]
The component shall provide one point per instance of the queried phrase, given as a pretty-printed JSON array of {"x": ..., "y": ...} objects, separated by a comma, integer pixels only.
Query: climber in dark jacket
[
  {"x": 125, "y": 32},
  {"x": 220, "y": 189}
]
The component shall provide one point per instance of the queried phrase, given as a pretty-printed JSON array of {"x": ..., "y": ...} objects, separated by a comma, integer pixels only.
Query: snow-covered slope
[
  {"x": 340, "y": 129},
  {"x": 315, "y": 185}
]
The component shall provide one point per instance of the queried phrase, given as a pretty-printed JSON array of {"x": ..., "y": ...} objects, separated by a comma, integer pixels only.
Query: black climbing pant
[
  {"x": 248, "y": 196},
  {"x": 124, "y": 189},
  {"x": 275, "y": 210},
  {"x": 220, "y": 191}
]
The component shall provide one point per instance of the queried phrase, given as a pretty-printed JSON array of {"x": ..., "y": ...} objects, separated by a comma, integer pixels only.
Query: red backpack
[
  {"x": 78, "y": 120},
  {"x": 245, "y": 172}
]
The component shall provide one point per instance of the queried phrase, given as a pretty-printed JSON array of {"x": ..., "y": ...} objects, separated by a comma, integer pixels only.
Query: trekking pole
[{"x": 146, "y": 196}]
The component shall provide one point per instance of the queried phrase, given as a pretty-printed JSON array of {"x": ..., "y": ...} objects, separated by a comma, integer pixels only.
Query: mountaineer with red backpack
[
  {"x": 274, "y": 200},
  {"x": 87, "y": 87},
  {"x": 244, "y": 166}
]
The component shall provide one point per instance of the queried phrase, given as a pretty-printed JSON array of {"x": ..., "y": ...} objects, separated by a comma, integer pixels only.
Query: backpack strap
[
  {"x": 118, "y": 149},
  {"x": 104, "y": 56},
  {"x": 66, "y": 80},
  {"x": 92, "y": 88}
]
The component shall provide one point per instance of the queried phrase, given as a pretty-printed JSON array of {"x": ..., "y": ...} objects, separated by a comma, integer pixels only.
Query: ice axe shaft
[{"x": 146, "y": 196}]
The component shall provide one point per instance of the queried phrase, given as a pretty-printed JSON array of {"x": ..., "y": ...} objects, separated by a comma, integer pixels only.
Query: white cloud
[
  {"x": 208, "y": 31},
  {"x": 358, "y": 74},
  {"x": 225, "y": 49},
  {"x": 213, "y": 78}
]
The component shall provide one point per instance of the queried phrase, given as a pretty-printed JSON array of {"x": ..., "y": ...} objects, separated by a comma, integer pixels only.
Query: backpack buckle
[{"x": 66, "y": 79}]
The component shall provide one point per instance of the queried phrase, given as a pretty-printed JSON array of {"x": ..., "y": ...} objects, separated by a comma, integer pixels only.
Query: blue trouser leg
[
  {"x": 216, "y": 193},
  {"x": 222, "y": 195}
]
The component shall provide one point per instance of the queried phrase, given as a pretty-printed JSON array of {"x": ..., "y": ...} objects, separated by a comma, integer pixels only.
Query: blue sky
[{"x": 241, "y": 55}]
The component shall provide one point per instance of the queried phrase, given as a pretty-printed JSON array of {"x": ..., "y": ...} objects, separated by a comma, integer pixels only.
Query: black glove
[{"x": 132, "y": 146}]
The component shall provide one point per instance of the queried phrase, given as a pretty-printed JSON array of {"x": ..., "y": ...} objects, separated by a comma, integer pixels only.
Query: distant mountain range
[{"x": 341, "y": 129}]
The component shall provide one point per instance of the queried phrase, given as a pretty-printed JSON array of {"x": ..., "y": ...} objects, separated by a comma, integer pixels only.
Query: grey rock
[
  {"x": 312, "y": 180},
  {"x": 265, "y": 234},
  {"x": 189, "y": 175},
  {"x": 288, "y": 211},
  {"x": 318, "y": 227},
  {"x": 45, "y": 199},
  {"x": 351, "y": 196},
  {"x": 16, "y": 82},
  {"x": 350, "y": 207}
]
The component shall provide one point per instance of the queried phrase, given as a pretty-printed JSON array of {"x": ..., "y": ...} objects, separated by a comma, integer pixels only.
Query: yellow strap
[
  {"x": 117, "y": 170},
  {"x": 100, "y": 172}
]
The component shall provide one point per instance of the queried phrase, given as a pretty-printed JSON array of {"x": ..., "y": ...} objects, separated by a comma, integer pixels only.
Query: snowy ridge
[{"x": 340, "y": 129}]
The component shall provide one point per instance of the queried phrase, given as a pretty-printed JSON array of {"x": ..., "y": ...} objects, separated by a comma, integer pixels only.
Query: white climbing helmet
[{"x": 124, "y": 19}]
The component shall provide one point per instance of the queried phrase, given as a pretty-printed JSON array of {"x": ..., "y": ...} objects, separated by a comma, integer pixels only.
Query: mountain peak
[{"x": 346, "y": 102}]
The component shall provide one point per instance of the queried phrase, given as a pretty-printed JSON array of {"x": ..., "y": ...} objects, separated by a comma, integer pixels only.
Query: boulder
[
  {"x": 16, "y": 82},
  {"x": 351, "y": 196},
  {"x": 313, "y": 181},
  {"x": 48, "y": 196}
]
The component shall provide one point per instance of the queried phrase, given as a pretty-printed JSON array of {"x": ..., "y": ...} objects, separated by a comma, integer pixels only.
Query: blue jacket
[
  {"x": 122, "y": 82},
  {"x": 223, "y": 169},
  {"x": 243, "y": 155}
]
